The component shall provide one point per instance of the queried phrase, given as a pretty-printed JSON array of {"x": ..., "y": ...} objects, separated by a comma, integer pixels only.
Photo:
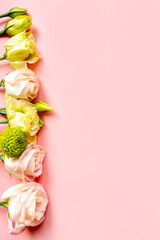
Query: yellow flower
[
  {"x": 17, "y": 25},
  {"x": 20, "y": 50},
  {"x": 23, "y": 114}
]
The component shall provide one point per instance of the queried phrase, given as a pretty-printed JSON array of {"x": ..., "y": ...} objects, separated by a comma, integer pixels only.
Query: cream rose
[
  {"x": 29, "y": 165},
  {"x": 22, "y": 84},
  {"x": 26, "y": 204}
]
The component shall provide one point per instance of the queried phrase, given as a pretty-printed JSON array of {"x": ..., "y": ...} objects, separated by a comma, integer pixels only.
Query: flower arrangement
[{"x": 20, "y": 154}]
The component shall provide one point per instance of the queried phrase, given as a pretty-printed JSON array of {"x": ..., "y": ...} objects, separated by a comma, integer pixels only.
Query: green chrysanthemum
[{"x": 13, "y": 142}]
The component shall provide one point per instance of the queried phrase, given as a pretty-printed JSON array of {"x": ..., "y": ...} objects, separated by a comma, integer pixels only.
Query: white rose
[
  {"x": 22, "y": 84},
  {"x": 26, "y": 204},
  {"x": 29, "y": 165}
]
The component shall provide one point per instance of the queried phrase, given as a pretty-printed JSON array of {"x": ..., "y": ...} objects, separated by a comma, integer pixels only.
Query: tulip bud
[
  {"x": 42, "y": 106},
  {"x": 17, "y": 25},
  {"x": 14, "y": 12}
]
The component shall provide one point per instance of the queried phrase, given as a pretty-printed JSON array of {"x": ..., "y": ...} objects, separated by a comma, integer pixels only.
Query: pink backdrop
[{"x": 101, "y": 73}]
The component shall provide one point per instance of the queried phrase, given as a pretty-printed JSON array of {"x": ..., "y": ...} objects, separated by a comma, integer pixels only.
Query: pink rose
[
  {"x": 27, "y": 204},
  {"x": 22, "y": 83},
  {"x": 29, "y": 165}
]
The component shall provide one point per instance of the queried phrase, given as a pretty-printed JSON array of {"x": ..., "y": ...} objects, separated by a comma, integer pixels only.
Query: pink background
[{"x": 101, "y": 72}]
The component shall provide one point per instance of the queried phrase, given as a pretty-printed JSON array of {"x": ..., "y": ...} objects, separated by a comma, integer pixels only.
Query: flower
[
  {"x": 42, "y": 106},
  {"x": 14, "y": 12},
  {"x": 17, "y": 25},
  {"x": 23, "y": 114},
  {"x": 29, "y": 165},
  {"x": 20, "y": 50},
  {"x": 13, "y": 142},
  {"x": 22, "y": 84},
  {"x": 27, "y": 204}
]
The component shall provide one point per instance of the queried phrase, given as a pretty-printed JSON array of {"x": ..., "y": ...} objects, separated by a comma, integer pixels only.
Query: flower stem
[
  {"x": 3, "y": 204},
  {"x": 2, "y": 58},
  {"x": 2, "y": 33},
  {"x": 4, "y": 15},
  {"x": 3, "y": 122}
]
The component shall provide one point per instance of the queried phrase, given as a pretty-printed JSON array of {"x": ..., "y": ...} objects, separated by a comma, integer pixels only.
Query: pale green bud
[
  {"x": 42, "y": 106},
  {"x": 14, "y": 12}
]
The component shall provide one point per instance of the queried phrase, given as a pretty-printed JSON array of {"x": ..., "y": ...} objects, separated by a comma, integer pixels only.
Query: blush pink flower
[
  {"x": 22, "y": 84},
  {"x": 29, "y": 165},
  {"x": 27, "y": 204}
]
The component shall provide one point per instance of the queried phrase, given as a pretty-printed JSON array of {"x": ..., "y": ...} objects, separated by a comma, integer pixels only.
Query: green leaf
[
  {"x": 1, "y": 158},
  {"x": 2, "y": 83},
  {"x": 4, "y": 204},
  {"x": 41, "y": 123},
  {"x": 3, "y": 112}
]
